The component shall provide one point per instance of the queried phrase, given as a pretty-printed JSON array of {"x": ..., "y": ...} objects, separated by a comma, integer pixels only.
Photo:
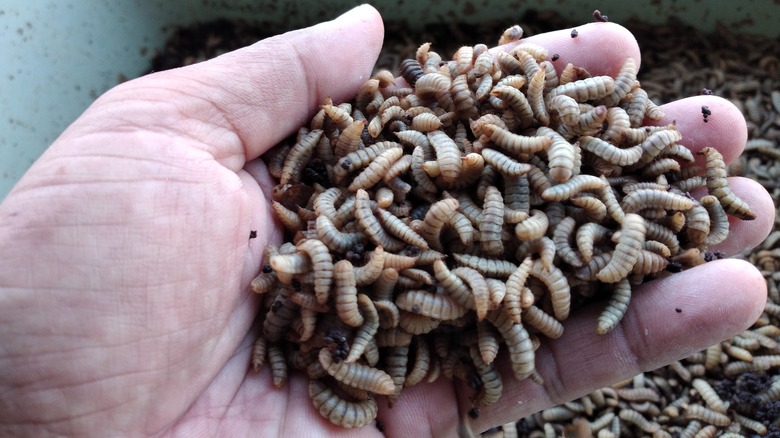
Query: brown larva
[
  {"x": 562, "y": 235},
  {"x": 338, "y": 115},
  {"x": 647, "y": 198},
  {"x": 625, "y": 81},
  {"x": 510, "y": 35},
  {"x": 395, "y": 337},
  {"x": 611, "y": 153},
  {"x": 376, "y": 170},
  {"x": 421, "y": 365},
  {"x": 447, "y": 154},
  {"x": 339, "y": 411},
  {"x": 590, "y": 122},
  {"x": 346, "y": 294},
  {"x": 335, "y": 239},
  {"x": 396, "y": 359},
  {"x": 709, "y": 395},
  {"x": 508, "y": 64},
  {"x": 542, "y": 322},
  {"x": 585, "y": 89},
  {"x": 591, "y": 207},
  {"x": 514, "y": 143},
  {"x": 490, "y": 387},
  {"x": 576, "y": 184},
  {"x": 440, "y": 213},
  {"x": 399, "y": 229},
  {"x": 456, "y": 288},
  {"x": 638, "y": 420},
  {"x": 649, "y": 262},
  {"x": 298, "y": 156},
  {"x": 463, "y": 98},
  {"x": 656, "y": 143},
  {"x": 699, "y": 412},
  {"x": 360, "y": 158},
  {"x": 534, "y": 227},
  {"x": 369, "y": 272},
  {"x": 543, "y": 247},
  {"x": 322, "y": 263},
  {"x": 259, "y": 348},
  {"x": 521, "y": 351},
  {"x": 479, "y": 289},
  {"x": 626, "y": 251},
  {"x": 416, "y": 324},
  {"x": 437, "y": 306},
  {"x": 410, "y": 70},
  {"x": 697, "y": 224},
  {"x": 503, "y": 163},
  {"x": 616, "y": 308},
  {"x": 488, "y": 267},
  {"x": 263, "y": 282},
  {"x": 370, "y": 224},
  {"x": 491, "y": 223},
  {"x": 718, "y": 186},
  {"x": 487, "y": 341},
  {"x": 558, "y": 286},
  {"x": 425, "y": 122},
  {"x": 357, "y": 375}
]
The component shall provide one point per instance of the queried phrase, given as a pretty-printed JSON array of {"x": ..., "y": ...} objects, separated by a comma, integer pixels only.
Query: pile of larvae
[{"x": 469, "y": 205}]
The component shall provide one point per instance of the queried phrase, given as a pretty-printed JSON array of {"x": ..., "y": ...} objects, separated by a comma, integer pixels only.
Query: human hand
[{"x": 124, "y": 288}]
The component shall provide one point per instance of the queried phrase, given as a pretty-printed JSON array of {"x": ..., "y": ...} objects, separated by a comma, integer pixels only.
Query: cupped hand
[{"x": 126, "y": 256}]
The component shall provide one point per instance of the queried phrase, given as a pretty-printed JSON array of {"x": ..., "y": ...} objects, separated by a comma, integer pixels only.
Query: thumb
[{"x": 251, "y": 98}]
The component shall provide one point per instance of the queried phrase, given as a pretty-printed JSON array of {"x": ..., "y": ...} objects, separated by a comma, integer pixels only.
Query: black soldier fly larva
[{"x": 479, "y": 207}]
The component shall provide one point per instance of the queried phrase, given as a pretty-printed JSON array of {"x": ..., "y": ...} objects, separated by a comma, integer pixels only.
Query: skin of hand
[{"x": 126, "y": 257}]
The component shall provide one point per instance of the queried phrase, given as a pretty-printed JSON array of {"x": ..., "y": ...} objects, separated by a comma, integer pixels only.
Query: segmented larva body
[
  {"x": 707, "y": 415},
  {"x": 479, "y": 289},
  {"x": 339, "y": 411},
  {"x": 504, "y": 164},
  {"x": 511, "y": 34},
  {"x": 439, "y": 214},
  {"x": 521, "y": 349},
  {"x": 616, "y": 308},
  {"x": 421, "y": 365},
  {"x": 357, "y": 375},
  {"x": 562, "y": 238},
  {"x": 632, "y": 237},
  {"x": 322, "y": 263},
  {"x": 576, "y": 184},
  {"x": 491, "y": 386},
  {"x": 433, "y": 305},
  {"x": 611, "y": 153},
  {"x": 346, "y": 294},
  {"x": 647, "y": 198},
  {"x": 298, "y": 156},
  {"x": 542, "y": 322},
  {"x": 558, "y": 285},
  {"x": 514, "y": 143},
  {"x": 370, "y": 224},
  {"x": 586, "y": 89},
  {"x": 718, "y": 186},
  {"x": 625, "y": 81},
  {"x": 491, "y": 224},
  {"x": 534, "y": 227},
  {"x": 488, "y": 267}
]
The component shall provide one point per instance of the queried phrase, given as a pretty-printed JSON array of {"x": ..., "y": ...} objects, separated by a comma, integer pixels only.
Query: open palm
[{"x": 126, "y": 256}]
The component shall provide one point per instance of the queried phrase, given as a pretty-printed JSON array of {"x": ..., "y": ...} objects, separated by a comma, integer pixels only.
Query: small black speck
[
  {"x": 598, "y": 16},
  {"x": 555, "y": 56},
  {"x": 474, "y": 413},
  {"x": 415, "y": 309},
  {"x": 574, "y": 33},
  {"x": 252, "y": 234},
  {"x": 380, "y": 426},
  {"x": 706, "y": 92},
  {"x": 678, "y": 310},
  {"x": 267, "y": 269}
]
